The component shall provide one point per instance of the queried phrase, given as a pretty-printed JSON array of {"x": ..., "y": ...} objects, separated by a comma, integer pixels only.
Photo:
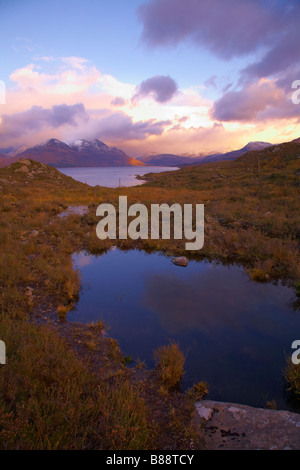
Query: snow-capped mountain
[
  {"x": 81, "y": 153},
  {"x": 235, "y": 153},
  {"x": 256, "y": 145},
  {"x": 82, "y": 144}
]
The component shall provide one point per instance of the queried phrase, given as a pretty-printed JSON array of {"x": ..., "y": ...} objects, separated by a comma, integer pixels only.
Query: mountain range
[
  {"x": 3, "y": 155},
  {"x": 166, "y": 159},
  {"x": 181, "y": 161},
  {"x": 235, "y": 153},
  {"x": 94, "y": 153},
  {"x": 81, "y": 153}
]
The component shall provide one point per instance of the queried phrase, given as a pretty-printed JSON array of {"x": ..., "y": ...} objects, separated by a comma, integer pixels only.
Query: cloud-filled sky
[{"x": 149, "y": 76}]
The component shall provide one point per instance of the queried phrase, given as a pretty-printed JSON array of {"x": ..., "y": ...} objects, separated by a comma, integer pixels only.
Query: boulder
[
  {"x": 180, "y": 261},
  {"x": 242, "y": 427}
]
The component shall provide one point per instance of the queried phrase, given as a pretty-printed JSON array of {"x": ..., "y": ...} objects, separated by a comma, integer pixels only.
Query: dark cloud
[
  {"x": 66, "y": 114},
  {"x": 255, "y": 102},
  {"x": 285, "y": 79},
  {"x": 229, "y": 29},
  {"x": 284, "y": 53},
  {"x": 242, "y": 105},
  {"x": 236, "y": 28},
  {"x": 160, "y": 87},
  {"x": 36, "y": 118}
]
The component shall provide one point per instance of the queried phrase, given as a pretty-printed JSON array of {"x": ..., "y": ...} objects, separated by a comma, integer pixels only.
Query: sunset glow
[{"x": 149, "y": 77}]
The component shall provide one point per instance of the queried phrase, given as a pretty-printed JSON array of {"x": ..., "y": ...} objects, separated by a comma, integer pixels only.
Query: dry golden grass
[
  {"x": 169, "y": 363},
  {"x": 49, "y": 399}
]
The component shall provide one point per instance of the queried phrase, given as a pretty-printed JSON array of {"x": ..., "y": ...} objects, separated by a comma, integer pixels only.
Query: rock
[
  {"x": 29, "y": 291},
  {"x": 232, "y": 426},
  {"x": 34, "y": 233},
  {"x": 24, "y": 161},
  {"x": 74, "y": 210},
  {"x": 29, "y": 295},
  {"x": 23, "y": 169},
  {"x": 180, "y": 261}
]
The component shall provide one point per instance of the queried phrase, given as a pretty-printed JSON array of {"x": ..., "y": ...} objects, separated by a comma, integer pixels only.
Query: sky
[{"x": 189, "y": 77}]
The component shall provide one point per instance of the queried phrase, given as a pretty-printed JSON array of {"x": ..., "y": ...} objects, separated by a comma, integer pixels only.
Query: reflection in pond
[{"x": 234, "y": 331}]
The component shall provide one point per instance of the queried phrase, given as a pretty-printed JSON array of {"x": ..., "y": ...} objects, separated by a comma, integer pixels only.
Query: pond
[{"x": 236, "y": 333}]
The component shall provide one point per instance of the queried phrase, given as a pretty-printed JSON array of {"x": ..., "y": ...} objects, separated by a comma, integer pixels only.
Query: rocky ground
[{"x": 241, "y": 427}]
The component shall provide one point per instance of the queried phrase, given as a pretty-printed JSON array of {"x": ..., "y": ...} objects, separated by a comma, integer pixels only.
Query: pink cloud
[{"x": 118, "y": 101}]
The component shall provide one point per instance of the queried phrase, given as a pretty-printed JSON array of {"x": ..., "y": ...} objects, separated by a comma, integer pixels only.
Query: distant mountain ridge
[
  {"x": 165, "y": 159},
  {"x": 81, "y": 153},
  {"x": 181, "y": 161},
  {"x": 95, "y": 153},
  {"x": 219, "y": 157}
]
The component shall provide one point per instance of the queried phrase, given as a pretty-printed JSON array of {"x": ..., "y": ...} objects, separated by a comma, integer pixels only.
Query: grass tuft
[{"x": 169, "y": 364}]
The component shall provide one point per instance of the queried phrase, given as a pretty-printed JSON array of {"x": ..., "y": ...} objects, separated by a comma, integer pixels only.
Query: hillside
[
  {"x": 271, "y": 163},
  {"x": 25, "y": 174},
  {"x": 81, "y": 153},
  {"x": 70, "y": 381},
  {"x": 254, "y": 202},
  {"x": 251, "y": 218}
]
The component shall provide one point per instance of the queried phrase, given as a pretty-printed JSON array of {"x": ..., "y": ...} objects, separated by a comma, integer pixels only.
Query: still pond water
[
  {"x": 112, "y": 177},
  {"x": 235, "y": 332}
]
